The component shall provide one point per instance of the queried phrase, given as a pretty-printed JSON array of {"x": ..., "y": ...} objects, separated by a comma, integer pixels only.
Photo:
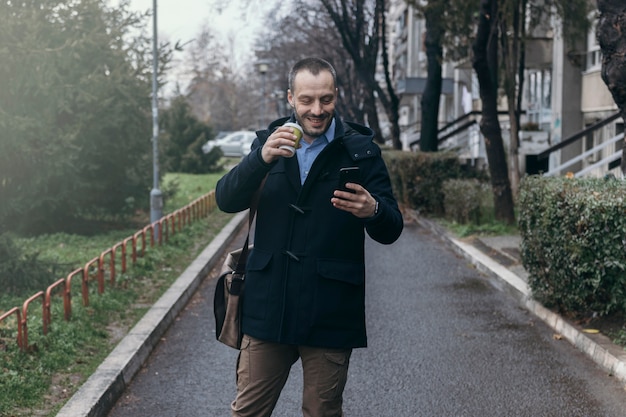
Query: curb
[
  {"x": 598, "y": 347},
  {"x": 98, "y": 394}
]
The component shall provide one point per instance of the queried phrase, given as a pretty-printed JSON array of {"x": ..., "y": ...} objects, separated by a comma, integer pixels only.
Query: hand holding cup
[
  {"x": 281, "y": 143},
  {"x": 297, "y": 130}
]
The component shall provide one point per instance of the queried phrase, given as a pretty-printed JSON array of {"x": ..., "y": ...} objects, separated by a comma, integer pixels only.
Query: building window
[
  {"x": 475, "y": 87},
  {"x": 539, "y": 96},
  {"x": 594, "y": 54}
]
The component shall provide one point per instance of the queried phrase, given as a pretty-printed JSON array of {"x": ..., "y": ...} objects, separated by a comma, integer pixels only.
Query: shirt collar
[{"x": 330, "y": 132}]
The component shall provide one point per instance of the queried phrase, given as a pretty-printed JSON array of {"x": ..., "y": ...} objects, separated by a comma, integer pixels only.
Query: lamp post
[
  {"x": 156, "y": 197},
  {"x": 279, "y": 102},
  {"x": 263, "y": 67}
]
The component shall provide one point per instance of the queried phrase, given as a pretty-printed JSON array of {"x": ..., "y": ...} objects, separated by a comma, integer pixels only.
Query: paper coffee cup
[{"x": 297, "y": 130}]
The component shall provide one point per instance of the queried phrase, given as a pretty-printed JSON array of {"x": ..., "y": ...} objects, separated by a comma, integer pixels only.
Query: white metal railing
[
  {"x": 596, "y": 149},
  {"x": 604, "y": 161},
  {"x": 465, "y": 138},
  {"x": 467, "y": 143}
]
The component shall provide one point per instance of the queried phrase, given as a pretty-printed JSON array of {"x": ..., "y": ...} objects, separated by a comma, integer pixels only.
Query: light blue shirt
[{"x": 309, "y": 151}]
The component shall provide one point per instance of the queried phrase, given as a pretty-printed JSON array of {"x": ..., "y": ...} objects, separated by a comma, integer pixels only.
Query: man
[{"x": 305, "y": 278}]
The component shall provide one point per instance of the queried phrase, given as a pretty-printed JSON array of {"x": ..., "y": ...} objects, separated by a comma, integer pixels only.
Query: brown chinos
[{"x": 263, "y": 369}]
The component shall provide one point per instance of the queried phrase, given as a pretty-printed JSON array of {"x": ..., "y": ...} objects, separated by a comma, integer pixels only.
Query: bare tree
[
  {"x": 311, "y": 35},
  {"x": 361, "y": 26},
  {"x": 512, "y": 55},
  {"x": 500, "y": 40},
  {"x": 449, "y": 30},
  {"x": 611, "y": 33},
  {"x": 516, "y": 19},
  {"x": 485, "y": 64},
  {"x": 433, "y": 43},
  {"x": 217, "y": 93}
]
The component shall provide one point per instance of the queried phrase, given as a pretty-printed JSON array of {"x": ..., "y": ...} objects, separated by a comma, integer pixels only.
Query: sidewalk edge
[
  {"x": 98, "y": 394},
  {"x": 610, "y": 357}
]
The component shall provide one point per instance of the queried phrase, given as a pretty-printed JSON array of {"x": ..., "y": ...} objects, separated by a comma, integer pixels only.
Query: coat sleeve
[
  {"x": 386, "y": 225},
  {"x": 234, "y": 190}
]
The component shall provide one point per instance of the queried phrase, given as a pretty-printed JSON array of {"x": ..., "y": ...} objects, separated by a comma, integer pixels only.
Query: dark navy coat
[{"x": 305, "y": 280}]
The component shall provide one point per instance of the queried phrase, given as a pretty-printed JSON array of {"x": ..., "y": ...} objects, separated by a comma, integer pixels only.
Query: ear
[{"x": 290, "y": 99}]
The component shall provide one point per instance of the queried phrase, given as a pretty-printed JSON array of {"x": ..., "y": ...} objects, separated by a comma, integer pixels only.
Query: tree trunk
[
  {"x": 611, "y": 33},
  {"x": 392, "y": 106},
  {"x": 369, "y": 106},
  {"x": 485, "y": 63},
  {"x": 510, "y": 53},
  {"x": 432, "y": 93}
]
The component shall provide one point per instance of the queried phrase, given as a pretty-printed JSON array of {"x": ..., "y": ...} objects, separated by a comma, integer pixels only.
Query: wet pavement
[{"x": 452, "y": 332}]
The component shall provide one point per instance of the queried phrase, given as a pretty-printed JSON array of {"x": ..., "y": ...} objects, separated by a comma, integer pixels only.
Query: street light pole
[
  {"x": 156, "y": 197},
  {"x": 263, "y": 67}
]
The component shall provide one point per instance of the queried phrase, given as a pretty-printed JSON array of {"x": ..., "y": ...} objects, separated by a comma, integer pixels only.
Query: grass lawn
[{"x": 56, "y": 365}]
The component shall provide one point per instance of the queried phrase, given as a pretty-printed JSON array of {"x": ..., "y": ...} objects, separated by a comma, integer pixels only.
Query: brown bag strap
[{"x": 241, "y": 262}]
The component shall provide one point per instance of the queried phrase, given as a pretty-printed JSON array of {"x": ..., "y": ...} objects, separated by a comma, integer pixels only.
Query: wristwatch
[{"x": 376, "y": 208}]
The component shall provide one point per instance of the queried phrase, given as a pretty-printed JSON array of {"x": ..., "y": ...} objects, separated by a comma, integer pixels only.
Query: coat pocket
[
  {"x": 258, "y": 260},
  {"x": 340, "y": 295},
  {"x": 258, "y": 284},
  {"x": 348, "y": 272}
]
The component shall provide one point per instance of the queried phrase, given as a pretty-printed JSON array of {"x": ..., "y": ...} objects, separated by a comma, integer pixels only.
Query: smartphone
[{"x": 349, "y": 174}]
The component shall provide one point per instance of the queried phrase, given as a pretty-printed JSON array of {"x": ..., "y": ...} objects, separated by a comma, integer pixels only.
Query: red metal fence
[{"x": 97, "y": 268}]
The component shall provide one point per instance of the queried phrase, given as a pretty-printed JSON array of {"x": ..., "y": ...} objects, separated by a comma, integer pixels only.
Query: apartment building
[
  {"x": 563, "y": 94},
  {"x": 409, "y": 71}
]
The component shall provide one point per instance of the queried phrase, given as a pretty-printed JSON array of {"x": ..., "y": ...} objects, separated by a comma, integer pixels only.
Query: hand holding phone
[
  {"x": 346, "y": 175},
  {"x": 362, "y": 204}
]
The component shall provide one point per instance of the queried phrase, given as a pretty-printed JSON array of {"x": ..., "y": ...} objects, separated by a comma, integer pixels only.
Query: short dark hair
[{"x": 314, "y": 66}]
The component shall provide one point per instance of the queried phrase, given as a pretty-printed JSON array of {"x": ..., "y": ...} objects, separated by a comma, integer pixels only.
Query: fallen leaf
[
  {"x": 591, "y": 331},
  {"x": 557, "y": 336}
]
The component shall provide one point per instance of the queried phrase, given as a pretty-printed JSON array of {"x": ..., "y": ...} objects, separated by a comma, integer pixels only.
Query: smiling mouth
[{"x": 317, "y": 120}]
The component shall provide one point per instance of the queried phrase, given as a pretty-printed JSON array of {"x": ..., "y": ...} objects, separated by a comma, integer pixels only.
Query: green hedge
[
  {"x": 574, "y": 243},
  {"x": 467, "y": 200},
  {"x": 418, "y": 177}
]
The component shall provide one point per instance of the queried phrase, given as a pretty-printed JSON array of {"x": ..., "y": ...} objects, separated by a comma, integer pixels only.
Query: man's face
[{"x": 313, "y": 99}]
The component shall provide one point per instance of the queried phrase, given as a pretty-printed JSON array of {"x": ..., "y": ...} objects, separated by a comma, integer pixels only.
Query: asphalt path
[{"x": 444, "y": 340}]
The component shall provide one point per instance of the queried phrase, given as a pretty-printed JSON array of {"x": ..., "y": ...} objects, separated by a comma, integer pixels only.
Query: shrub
[
  {"x": 465, "y": 200},
  {"x": 417, "y": 177},
  {"x": 573, "y": 243}
]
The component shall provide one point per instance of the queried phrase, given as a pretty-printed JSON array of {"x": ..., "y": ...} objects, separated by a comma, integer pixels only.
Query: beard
[{"x": 307, "y": 126}]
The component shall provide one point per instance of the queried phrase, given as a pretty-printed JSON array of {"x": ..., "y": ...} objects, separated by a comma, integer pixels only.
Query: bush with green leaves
[
  {"x": 418, "y": 177},
  {"x": 574, "y": 243},
  {"x": 465, "y": 200}
]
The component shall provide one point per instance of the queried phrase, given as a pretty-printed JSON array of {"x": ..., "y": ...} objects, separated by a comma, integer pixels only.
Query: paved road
[{"x": 443, "y": 341}]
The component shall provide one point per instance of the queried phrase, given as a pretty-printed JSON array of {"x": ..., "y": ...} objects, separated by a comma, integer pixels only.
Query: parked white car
[
  {"x": 246, "y": 146},
  {"x": 233, "y": 144}
]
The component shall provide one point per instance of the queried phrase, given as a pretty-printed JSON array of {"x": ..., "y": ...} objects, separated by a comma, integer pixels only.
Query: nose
[{"x": 316, "y": 108}]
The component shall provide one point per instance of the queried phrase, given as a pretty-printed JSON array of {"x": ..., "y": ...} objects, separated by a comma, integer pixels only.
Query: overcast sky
[{"x": 182, "y": 20}]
